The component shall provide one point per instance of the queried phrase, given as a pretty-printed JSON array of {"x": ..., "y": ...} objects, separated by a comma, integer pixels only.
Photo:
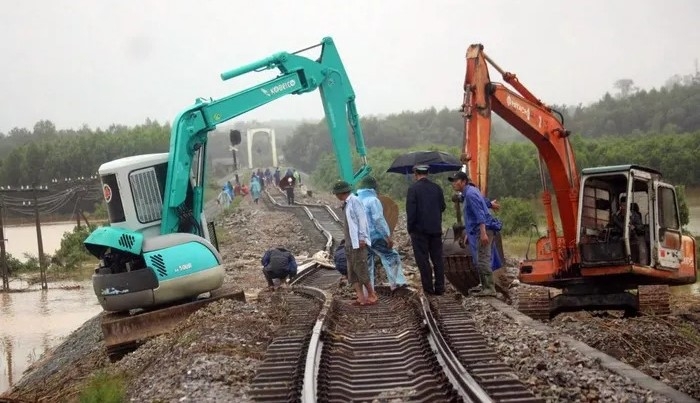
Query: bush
[
  {"x": 104, "y": 388},
  {"x": 516, "y": 214},
  {"x": 72, "y": 251},
  {"x": 16, "y": 266}
]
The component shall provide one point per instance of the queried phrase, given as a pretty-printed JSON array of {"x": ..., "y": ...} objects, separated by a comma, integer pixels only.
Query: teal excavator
[{"x": 158, "y": 247}]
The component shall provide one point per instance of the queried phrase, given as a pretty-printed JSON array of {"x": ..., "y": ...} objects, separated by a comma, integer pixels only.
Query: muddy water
[
  {"x": 33, "y": 322},
  {"x": 22, "y": 239}
]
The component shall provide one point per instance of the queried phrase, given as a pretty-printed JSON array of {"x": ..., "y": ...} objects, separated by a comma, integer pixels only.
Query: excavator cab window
[
  {"x": 669, "y": 235},
  {"x": 147, "y": 187},
  {"x": 601, "y": 241}
]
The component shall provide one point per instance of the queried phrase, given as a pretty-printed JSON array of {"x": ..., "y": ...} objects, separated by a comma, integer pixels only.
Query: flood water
[
  {"x": 22, "y": 239},
  {"x": 33, "y": 322}
]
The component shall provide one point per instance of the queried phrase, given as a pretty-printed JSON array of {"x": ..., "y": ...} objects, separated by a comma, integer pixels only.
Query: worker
[
  {"x": 425, "y": 204},
  {"x": 289, "y": 189},
  {"x": 357, "y": 239},
  {"x": 224, "y": 198},
  {"x": 619, "y": 216},
  {"x": 276, "y": 176},
  {"x": 278, "y": 265},
  {"x": 480, "y": 227},
  {"x": 341, "y": 261},
  {"x": 381, "y": 243},
  {"x": 255, "y": 188},
  {"x": 638, "y": 242}
]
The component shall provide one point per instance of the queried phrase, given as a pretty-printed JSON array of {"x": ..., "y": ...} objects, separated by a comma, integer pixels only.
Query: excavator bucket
[
  {"x": 391, "y": 211},
  {"x": 459, "y": 267}
]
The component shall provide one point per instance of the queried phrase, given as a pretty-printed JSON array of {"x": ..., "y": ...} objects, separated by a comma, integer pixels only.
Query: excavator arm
[
  {"x": 298, "y": 75},
  {"x": 536, "y": 121}
]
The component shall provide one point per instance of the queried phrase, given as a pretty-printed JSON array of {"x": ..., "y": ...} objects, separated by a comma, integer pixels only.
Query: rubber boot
[
  {"x": 489, "y": 288},
  {"x": 479, "y": 287}
]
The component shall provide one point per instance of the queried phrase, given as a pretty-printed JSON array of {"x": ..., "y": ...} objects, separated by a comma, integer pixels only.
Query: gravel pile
[
  {"x": 556, "y": 372},
  {"x": 666, "y": 348},
  {"x": 210, "y": 357}
]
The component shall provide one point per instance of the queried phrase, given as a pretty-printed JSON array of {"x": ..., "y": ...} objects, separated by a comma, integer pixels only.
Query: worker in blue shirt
[{"x": 480, "y": 227}]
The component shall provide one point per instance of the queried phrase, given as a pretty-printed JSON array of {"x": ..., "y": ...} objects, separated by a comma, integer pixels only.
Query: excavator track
[
  {"x": 534, "y": 302},
  {"x": 461, "y": 273},
  {"x": 126, "y": 331},
  {"x": 654, "y": 299}
]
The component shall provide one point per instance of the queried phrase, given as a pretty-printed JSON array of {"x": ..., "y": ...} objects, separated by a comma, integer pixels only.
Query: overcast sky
[{"x": 100, "y": 62}]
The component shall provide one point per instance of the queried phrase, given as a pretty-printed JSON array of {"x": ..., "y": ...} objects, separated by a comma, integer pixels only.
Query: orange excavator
[{"x": 621, "y": 244}]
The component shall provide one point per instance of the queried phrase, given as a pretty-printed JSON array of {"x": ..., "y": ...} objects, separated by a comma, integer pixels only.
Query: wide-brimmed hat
[{"x": 341, "y": 187}]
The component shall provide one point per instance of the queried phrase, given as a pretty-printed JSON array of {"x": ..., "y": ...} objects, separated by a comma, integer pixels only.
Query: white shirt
[{"x": 357, "y": 221}]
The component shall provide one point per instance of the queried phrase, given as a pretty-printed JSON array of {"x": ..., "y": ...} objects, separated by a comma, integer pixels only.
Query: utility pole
[
  {"x": 4, "y": 269},
  {"x": 3, "y": 256},
  {"x": 39, "y": 241},
  {"x": 235, "y": 139}
]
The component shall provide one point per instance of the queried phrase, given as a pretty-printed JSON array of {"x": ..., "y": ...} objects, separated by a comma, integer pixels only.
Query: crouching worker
[
  {"x": 341, "y": 261},
  {"x": 278, "y": 265}
]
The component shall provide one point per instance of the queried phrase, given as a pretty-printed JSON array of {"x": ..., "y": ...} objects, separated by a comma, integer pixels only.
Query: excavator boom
[
  {"x": 298, "y": 75},
  {"x": 535, "y": 121}
]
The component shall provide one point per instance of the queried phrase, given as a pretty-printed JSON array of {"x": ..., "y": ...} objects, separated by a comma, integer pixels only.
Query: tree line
[{"x": 658, "y": 128}]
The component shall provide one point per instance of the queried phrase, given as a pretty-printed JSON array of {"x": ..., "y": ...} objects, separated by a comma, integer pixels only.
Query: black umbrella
[{"x": 437, "y": 161}]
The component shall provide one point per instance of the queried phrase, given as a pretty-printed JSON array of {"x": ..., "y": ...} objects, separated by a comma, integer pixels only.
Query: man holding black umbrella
[{"x": 425, "y": 204}]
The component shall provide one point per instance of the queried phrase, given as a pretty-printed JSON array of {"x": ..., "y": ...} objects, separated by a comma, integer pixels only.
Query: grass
[
  {"x": 515, "y": 246},
  {"x": 104, "y": 388}
]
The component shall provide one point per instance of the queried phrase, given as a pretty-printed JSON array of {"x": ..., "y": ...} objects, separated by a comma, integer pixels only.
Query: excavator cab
[
  {"x": 615, "y": 203},
  {"x": 630, "y": 248},
  {"x": 630, "y": 220}
]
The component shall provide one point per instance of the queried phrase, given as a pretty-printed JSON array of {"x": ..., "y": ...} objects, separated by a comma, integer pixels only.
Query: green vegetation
[
  {"x": 72, "y": 251},
  {"x": 104, "y": 387}
]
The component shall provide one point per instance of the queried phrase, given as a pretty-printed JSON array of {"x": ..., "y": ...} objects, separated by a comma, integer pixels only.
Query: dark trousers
[
  {"x": 290, "y": 196},
  {"x": 271, "y": 274},
  {"x": 427, "y": 248}
]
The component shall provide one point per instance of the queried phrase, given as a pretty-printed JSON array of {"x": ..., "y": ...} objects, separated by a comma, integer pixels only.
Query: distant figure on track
[
  {"x": 289, "y": 189},
  {"x": 255, "y": 189},
  {"x": 224, "y": 198}
]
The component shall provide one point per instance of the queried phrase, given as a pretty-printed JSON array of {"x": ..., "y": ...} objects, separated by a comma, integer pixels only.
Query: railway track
[
  {"x": 405, "y": 347},
  {"x": 323, "y": 217}
]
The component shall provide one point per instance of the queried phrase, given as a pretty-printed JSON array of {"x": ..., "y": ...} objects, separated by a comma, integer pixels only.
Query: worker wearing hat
[
  {"x": 357, "y": 242},
  {"x": 480, "y": 227},
  {"x": 425, "y": 203}
]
